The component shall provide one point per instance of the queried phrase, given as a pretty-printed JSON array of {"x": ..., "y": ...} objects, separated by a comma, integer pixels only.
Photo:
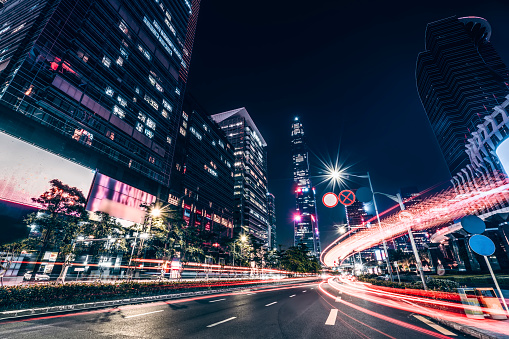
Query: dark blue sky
[{"x": 347, "y": 68}]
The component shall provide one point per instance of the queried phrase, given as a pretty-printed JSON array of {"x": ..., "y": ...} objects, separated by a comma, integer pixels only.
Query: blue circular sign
[
  {"x": 473, "y": 224},
  {"x": 364, "y": 194},
  {"x": 482, "y": 245}
]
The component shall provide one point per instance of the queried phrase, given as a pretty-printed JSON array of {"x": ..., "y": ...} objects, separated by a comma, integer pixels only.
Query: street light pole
[{"x": 389, "y": 269}]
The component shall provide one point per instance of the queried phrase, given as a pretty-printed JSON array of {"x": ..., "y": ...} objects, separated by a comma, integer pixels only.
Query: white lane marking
[
  {"x": 331, "y": 320},
  {"x": 275, "y": 302},
  {"x": 213, "y": 301},
  {"x": 435, "y": 326},
  {"x": 293, "y": 295},
  {"x": 139, "y": 315},
  {"x": 338, "y": 299},
  {"x": 304, "y": 291},
  {"x": 220, "y": 322},
  {"x": 312, "y": 288}
]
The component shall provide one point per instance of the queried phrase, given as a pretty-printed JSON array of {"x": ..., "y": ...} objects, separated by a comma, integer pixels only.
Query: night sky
[{"x": 347, "y": 69}]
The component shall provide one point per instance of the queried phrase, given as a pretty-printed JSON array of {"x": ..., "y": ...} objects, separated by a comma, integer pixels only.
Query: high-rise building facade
[
  {"x": 460, "y": 77},
  {"x": 271, "y": 208},
  {"x": 305, "y": 219},
  {"x": 98, "y": 82},
  {"x": 203, "y": 174},
  {"x": 250, "y": 214}
]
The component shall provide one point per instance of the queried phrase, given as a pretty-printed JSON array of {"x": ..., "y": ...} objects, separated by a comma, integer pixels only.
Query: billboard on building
[
  {"x": 118, "y": 199},
  {"x": 26, "y": 171}
]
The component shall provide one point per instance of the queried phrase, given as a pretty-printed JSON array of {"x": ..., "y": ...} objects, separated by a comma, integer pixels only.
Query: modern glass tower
[
  {"x": 98, "y": 82},
  {"x": 305, "y": 218},
  {"x": 271, "y": 207},
  {"x": 250, "y": 213},
  {"x": 460, "y": 78}
]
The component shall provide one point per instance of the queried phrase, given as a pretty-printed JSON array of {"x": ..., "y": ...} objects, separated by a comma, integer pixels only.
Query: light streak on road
[
  {"x": 440, "y": 209},
  {"x": 402, "y": 302}
]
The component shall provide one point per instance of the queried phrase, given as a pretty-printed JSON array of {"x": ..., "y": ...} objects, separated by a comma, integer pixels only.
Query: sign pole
[{"x": 496, "y": 282}]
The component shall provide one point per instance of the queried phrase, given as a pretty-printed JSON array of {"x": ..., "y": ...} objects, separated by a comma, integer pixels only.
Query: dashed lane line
[
  {"x": 213, "y": 301},
  {"x": 139, "y": 315},
  {"x": 275, "y": 302},
  {"x": 293, "y": 295},
  {"x": 331, "y": 319},
  {"x": 221, "y": 322}
]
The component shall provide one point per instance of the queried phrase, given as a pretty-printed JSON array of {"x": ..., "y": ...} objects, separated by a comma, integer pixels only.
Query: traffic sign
[
  {"x": 346, "y": 197},
  {"x": 364, "y": 194},
  {"x": 330, "y": 199},
  {"x": 473, "y": 224},
  {"x": 482, "y": 245}
]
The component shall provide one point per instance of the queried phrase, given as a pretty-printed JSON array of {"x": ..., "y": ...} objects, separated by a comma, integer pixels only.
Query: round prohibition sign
[
  {"x": 346, "y": 197},
  {"x": 330, "y": 199}
]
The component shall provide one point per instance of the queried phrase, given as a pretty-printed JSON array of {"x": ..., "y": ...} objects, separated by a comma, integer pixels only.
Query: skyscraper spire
[{"x": 305, "y": 218}]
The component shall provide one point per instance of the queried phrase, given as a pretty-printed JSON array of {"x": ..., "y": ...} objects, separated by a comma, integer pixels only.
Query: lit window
[
  {"x": 137, "y": 90},
  {"x": 221, "y": 143},
  {"x": 164, "y": 113},
  {"x": 168, "y": 139},
  {"x": 152, "y": 80},
  {"x": 109, "y": 91},
  {"x": 205, "y": 127},
  {"x": 17, "y": 28},
  {"x": 142, "y": 116},
  {"x": 213, "y": 143},
  {"x": 159, "y": 88},
  {"x": 123, "y": 28},
  {"x": 145, "y": 52},
  {"x": 151, "y": 123},
  {"x": 182, "y": 131},
  {"x": 149, "y": 133},
  {"x": 151, "y": 101},
  {"x": 82, "y": 56},
  {"x": 83, "y": 136},
  {"x": 167, "y": 105},
  {"x": 118, "y": 112},
  {"x": 177, "y": 91},
  {"x": 139, "y": 127},
  {"x": 122, "y": 101},
  {"x": 124, "y": 53},
  {"x": 184, "y": 114},
  {"x": 184, "y": 124},
  {"x": 120, "y": 61},
  {"x": 195, "y": 132},
  {"x": 106, "y": 61}
]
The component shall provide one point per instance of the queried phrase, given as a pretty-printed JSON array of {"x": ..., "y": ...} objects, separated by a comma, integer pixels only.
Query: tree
[
  {"x": 58, "y": 222},
  {"x": 297, "y": 259}
]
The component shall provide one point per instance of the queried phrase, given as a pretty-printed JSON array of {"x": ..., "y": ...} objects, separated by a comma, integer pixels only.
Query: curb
[{"x": 469, "y": 330}]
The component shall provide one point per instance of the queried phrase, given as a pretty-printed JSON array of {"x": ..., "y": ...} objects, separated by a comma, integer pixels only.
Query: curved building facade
[{"x": 459, "y": 77}]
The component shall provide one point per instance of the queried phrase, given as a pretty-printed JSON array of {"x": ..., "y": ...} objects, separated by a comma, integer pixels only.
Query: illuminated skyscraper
[
  {"x": 305, "y": 217},
  {"x": 98, "y": 82},
  {"x": 271, "y": 207},
  {"x": 460, "y": 78},
  {"x": 250, "y": 210}
]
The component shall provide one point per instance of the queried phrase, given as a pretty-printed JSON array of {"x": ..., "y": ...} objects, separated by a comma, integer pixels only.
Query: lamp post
[
  {"x": 335, "y": 175},
  {"x": 397, "y": 198}
]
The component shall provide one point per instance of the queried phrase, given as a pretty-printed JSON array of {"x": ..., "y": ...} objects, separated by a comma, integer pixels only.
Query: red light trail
[{"x": 440, "y": 209}]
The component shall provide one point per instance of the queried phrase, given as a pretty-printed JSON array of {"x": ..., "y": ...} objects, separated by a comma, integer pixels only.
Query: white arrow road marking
[
  {"x": 220, "y": 322},
  {"x": 139, "y": 315},
  {"x": 435, "y": 326},
  {"x": 331, "y": 319}
]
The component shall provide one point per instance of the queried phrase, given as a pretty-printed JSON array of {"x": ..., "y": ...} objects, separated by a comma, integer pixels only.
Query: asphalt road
[{"x": 295, "y": 312}]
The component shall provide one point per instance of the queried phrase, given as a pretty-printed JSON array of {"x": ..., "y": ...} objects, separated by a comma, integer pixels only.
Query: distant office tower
[
  {"x": 460, "y": 77},
  {"x": 250, "y": 215},
  {"x": 202, "y": 177},
  {"x": 271, "y": 207},
  {"x": 305, "y": 218},
  {"x": 356, "y": 215},
  {"x": 98, "y": 82},
  {"x": 411, "y": 197}
]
